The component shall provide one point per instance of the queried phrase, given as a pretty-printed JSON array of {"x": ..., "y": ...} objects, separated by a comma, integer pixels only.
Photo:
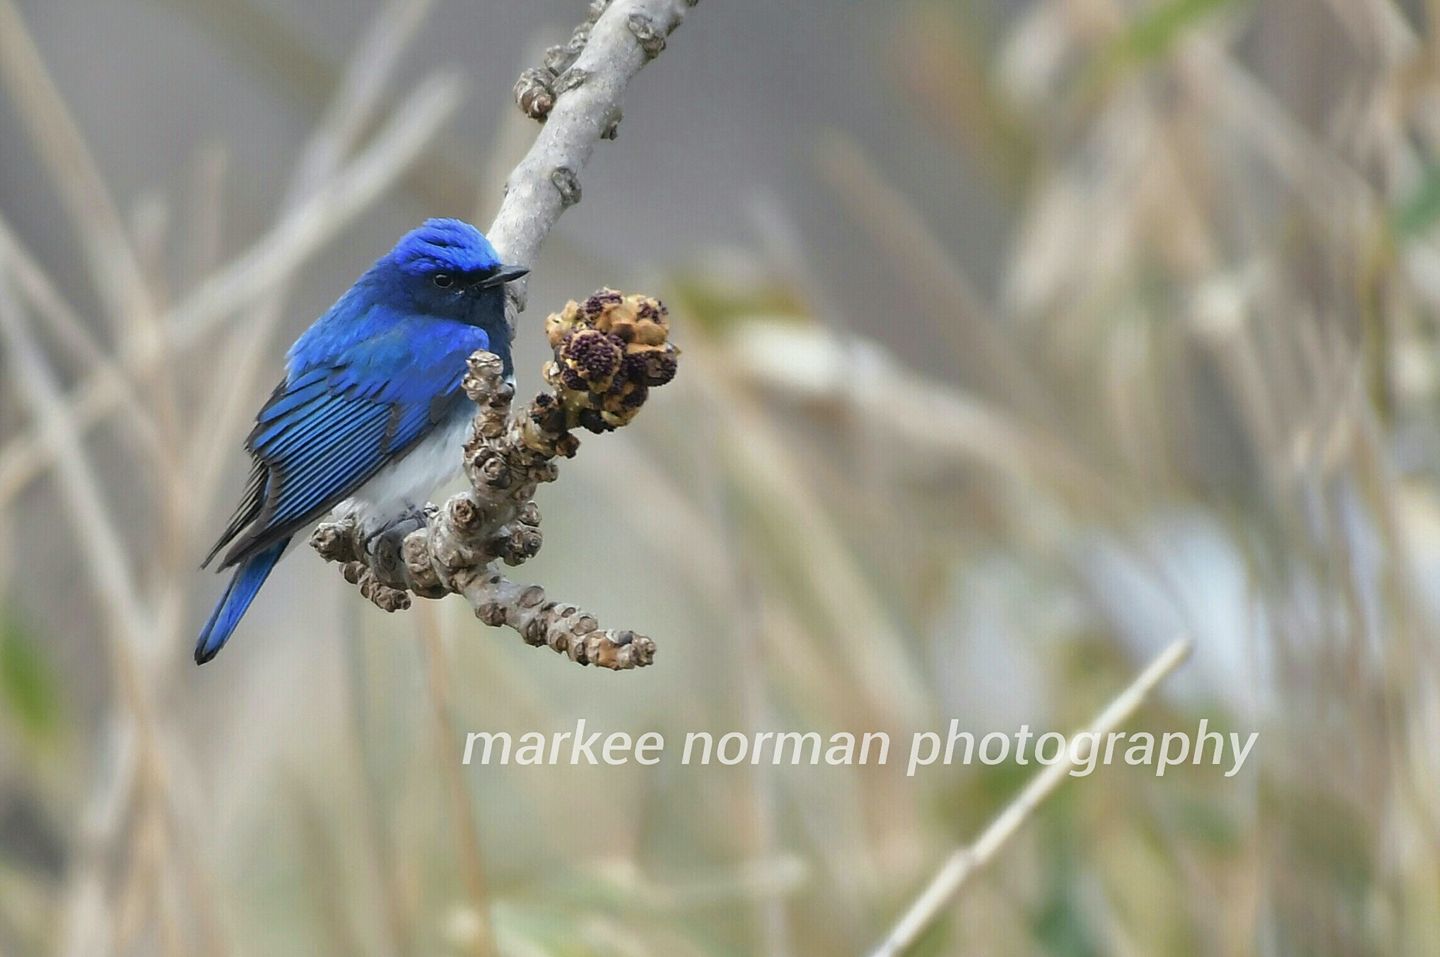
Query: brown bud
[
  {"x": 567, "y": 445},
  {"x": 494, "y": 472},
  {"x": 594, "y": 356},
  {"x": 465, "y": 513},
  {"x": 533, "y": 93}
]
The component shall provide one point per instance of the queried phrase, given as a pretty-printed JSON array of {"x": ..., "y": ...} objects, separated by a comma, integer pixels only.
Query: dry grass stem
[{"x": 966, "y": 861}]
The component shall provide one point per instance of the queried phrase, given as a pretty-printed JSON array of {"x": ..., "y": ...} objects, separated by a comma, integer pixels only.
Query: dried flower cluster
[{"x": 609, "y": 351}]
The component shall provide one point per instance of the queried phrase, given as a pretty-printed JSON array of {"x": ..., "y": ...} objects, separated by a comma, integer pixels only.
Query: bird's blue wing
[{"x": 342, "y": 414}]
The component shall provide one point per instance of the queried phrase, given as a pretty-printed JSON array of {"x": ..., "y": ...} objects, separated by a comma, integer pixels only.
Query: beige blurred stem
[
  {"x": 247, "y": 279},
  {"x": 965, "y": 862},
  {"x": 128, "y": 624},
  {"x": 66, "y": 157},
  {"x": 469, "y": 850},
  {"x": 627, "y": 35}
]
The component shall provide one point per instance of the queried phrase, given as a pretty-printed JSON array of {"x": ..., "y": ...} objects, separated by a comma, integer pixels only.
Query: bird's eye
[{"x": 443, "y": 279}]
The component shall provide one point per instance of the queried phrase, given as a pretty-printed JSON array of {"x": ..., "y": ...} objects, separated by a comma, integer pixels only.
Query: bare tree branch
[{"x": 584, "y": 81}]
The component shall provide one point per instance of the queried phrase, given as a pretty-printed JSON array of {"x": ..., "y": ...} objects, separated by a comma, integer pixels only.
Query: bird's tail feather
[{"x": 232, "y": 605}]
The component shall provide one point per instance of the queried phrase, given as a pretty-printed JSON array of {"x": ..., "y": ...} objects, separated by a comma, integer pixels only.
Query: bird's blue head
[{"x": 448, "y": 269}]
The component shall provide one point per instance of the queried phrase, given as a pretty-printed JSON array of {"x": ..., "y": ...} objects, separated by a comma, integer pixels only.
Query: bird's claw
[{"x": 384, "y": 545}]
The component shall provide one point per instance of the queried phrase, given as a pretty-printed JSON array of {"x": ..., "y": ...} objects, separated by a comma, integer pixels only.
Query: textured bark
[{"x": 576, "y": 92}]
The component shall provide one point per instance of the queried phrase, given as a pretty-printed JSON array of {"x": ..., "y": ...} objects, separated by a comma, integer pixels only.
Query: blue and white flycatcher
[{"x": 370, "y": 416}]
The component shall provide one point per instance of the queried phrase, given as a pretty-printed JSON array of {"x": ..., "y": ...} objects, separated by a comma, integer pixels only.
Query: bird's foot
[{"x": 384, "y": 545}]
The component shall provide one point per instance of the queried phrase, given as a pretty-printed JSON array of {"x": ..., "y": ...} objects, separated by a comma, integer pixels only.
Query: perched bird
[{"x": 370, "y": 416}]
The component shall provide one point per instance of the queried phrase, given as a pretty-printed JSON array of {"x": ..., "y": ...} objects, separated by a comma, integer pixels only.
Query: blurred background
[{"x": 1020, "y": 338}]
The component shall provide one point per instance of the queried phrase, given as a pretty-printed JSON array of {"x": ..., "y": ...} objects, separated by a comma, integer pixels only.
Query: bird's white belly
[{"x": 404, "y": 485}]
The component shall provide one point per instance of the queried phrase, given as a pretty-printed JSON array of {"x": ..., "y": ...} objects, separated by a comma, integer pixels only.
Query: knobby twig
[
  {"x": 963, "y": 863},
  {"x": 609, "y": 351},
  {"x": 582, "y": 83}
]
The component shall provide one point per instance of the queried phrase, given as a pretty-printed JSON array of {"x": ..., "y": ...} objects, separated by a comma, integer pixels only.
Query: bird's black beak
[{"x": 503, "y": 275}]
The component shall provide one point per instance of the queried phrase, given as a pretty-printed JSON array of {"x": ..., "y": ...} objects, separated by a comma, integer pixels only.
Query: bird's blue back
[{"x": 367, "y": 381}]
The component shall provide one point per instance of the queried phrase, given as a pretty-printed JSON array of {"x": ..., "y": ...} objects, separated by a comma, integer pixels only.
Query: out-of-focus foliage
[
  {"x": 1154, "y": 32},
  {"x": 29, "y": 689},
  {"x": 1420, "y": 211}
]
